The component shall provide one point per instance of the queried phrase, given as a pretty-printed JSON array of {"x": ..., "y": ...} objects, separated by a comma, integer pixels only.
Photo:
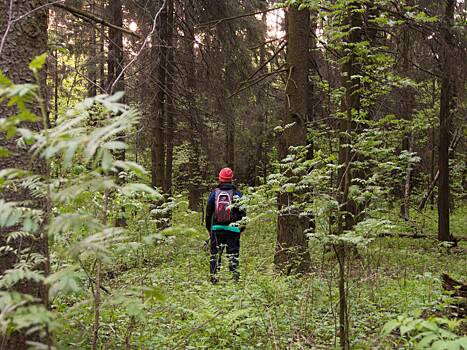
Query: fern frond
[{"x": 13, "y": 276}]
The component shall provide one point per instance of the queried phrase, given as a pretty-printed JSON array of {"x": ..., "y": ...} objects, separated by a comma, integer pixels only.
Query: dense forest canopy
[{"x": 339, "y": 129}]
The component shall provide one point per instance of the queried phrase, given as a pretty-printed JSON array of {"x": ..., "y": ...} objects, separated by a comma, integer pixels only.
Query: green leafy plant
[
  {"x": 79, "y": 187},
  {"x": 433, "y": 333}
]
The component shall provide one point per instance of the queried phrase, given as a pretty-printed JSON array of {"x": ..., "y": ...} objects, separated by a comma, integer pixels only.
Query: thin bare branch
[
  {"x": 145, "y": 42},
  {"x": 10, "y": 22}
]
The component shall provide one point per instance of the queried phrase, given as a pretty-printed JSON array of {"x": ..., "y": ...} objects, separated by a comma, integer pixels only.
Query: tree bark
[
  {"x": 170, "y": 100},
  {"x": 434, "y": 178},
  {"x": 229, "y": 116},
  {"x": 159, "y": 57},
  {"x": 194, "y": 190},
  {"x": 347, "y": 209},
  {"x": 115, "y": 67},
  {"x": 433, "y": 151},
  {"x": 92, "y": 60},
  {"x": 445, "y": 117},
  {"x": 226, "y": 71},
  {"x": 31, "y": 33},
  {"x": 97, "y": 307},
  {"x": 115, "y": 59},
  {"x": 292, "y": 252},
  {"x": 407, "y": 103},
  {"x": 261, "y": 127},
  {"x": 102, "y": 81}
]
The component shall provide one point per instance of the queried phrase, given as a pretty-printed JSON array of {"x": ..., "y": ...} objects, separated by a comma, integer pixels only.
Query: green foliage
[
  {"x": 38, "y": 62},
  {"x": 264, "y": 310},
  {"x": 433, "y": 333},
  {"x": 79, "y": 186}
]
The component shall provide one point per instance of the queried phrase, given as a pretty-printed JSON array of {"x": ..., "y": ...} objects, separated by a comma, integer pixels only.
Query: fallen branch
[
  {"x": 458, "y": 288},
  {"x": 86, "y": 15}
]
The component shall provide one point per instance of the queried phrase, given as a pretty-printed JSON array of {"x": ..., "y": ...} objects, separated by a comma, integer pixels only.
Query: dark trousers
[{"x": 219, "y": 240}]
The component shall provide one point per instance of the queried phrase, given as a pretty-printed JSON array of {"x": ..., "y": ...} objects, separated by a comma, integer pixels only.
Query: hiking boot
[{"x": 214, "y": 279}]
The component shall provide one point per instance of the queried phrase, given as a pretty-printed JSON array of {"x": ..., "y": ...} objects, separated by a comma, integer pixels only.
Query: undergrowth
[{"x": 390, "y": 277}]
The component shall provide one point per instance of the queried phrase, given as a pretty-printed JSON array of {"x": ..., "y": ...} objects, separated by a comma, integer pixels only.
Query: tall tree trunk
[
  {"x": 102, "y": 81},
  {"x": 445, "y": 116},
  {"x": 92, "y": 60},
  {"x": 434, "y": 177},
  {"x": 311, "y": 109},
  {"x": 351, "y": 107},
  {"x": 56, "y": 84},
  {"x": 159, "y": 53},
  {"x": 407, "y": 102},
  {"x": 115, "y": 58},
  {"x": 292, "y": 252},
  {"x": 229, "y": 114},
  {"x": 433, "y": 148},
  {"x": 194, "y": 190},
  {"x": 31, "y": 36},
  {"x": 261, "y": 128},
  {"x": 226, "y": 72},
  {"x": 115, "y": 64},
  {"x": 170, "y": 100}
]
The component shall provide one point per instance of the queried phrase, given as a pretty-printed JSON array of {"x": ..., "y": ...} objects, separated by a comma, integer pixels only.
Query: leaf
[
  {"x": 4, "y": 81},
  {"x": 432, "y": 326},
  {"x": 38, "y": 62},
  {"x": 426, "y": 341},
  {"x": 134, "y": 308},
  {"x": 107, "y": 159},
  {"x": 135, "y": 167},
  {"x": 113, "y": 145},
  {"x": 30, "y": 225},
  {"x": 453, "y": 345},
  {"x": 63, "y": 281},
  {"x": 406, "y": 328},
  {"x": 9, "y": 213},
  {"x": 69, "y": 154},
  {"x": 439, "y": 345},
  {"x": 154, "y": 293},
  {"x": 132, "y": 188},
  {"x": 4, "y": 152},
  {"x": 74, "y": 222},
  {"x": 390, "y": 326},
  {"x": 462, "y": 342},
  {"x": 12, "y": 277},
  {"x": 116, "y": 96}
]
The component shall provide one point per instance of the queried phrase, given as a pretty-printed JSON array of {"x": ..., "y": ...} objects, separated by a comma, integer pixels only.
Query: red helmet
[{"x": 226, "y": 175}]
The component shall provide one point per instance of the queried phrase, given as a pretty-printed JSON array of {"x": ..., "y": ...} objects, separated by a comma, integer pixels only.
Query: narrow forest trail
[{"x": 265, "y": 310}]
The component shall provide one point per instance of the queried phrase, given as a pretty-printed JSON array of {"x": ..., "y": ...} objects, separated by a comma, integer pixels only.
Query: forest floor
[{"x": 264, "y": 310}]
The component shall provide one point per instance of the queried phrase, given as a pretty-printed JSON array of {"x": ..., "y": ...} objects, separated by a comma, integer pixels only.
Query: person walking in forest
[{"x": 222, "y": 218}]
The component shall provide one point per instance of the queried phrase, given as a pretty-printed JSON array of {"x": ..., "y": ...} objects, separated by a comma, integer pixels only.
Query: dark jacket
[{"x": 236, "y": 215}]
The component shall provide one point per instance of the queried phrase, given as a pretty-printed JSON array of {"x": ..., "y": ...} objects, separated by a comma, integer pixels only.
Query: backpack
[{"x": 223, "y": 202}]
